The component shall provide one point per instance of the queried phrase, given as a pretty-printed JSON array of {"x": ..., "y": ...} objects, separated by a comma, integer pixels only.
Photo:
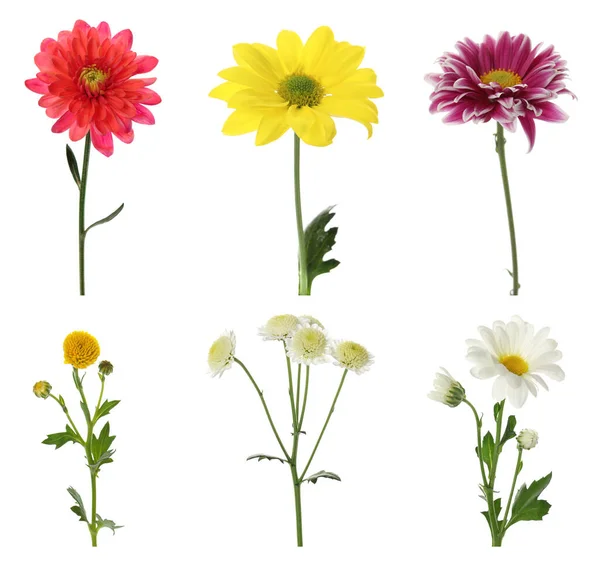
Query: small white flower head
[
  {"x": 528, "y": 439},
  {"x": 446, "y": 389},
  {"x": 221, "y": 354},
  {"x": 515, "y": 355},
  {"x": 352, "y": 356},
  {"x": 278, "y": 328},
  {"x": 310, "y": 321},
  {"x": 308, "y": 344}
]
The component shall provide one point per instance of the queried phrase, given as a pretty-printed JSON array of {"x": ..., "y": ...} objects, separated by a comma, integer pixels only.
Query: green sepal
[
  {"x": 78, "y": 509},
  {"x": 326, "y": 474},
  {"x": 527, "y": 506},
  {"x": 318, "y": 242},
  {"x": 106, "y": 218},
  {"x": 72, "y": 161},
  {"x": 497, "y": 507},
  {"x": 59, "y": 439},
  {"x": 106, "y": 408},
  {"x": 105, "y": 523},
  {"x": 260, "y": 457}
]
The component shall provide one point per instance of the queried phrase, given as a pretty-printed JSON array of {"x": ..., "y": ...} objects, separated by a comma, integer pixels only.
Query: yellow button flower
[{"x": 81, "y": 349}]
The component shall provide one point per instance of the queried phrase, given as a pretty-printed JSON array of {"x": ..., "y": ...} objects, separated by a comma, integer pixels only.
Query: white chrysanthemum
[
  {"x": 516, "y": 355},
  {"x": 221, "y": 354},
  {"x": 352, "y": 356},
  {"x": 446, "y": 389},
  {"x": 528, "y": 439},
  {"x": 279, "y": 328},
  {"x": 310, "y": 321},
  {"x": 309, "y": 344}
]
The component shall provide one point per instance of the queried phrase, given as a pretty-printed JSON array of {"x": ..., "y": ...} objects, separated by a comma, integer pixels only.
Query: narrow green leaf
[
  {"x": 72, "y": 161},
  {"x": 106, "y": 218},
  {"x": 59, "y": 439},
  {"x": 326, "y": 474},
  {"x": 318, "y": 242},
  {"x": 86, "y": 412},
  {"x": 260, "y": 457},
  {"x": 105, "y": 523},
  {"x": 527, "y": 506},
  {"x": 78, "y": 509},
  {"x": 509, "y": 432},
  {"x": 106, "y": 408},
  {"x": 487, "y": 454}
]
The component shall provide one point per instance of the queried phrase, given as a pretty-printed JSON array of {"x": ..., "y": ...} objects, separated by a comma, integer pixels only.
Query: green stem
[
  {"x": 82, "y": 192},
  {"x": 303, "y": 288},
  {"x": 479, "y": 445},
  {"x": 66, "y": 412},
  {"x": 264, "y": 403},
  {"x": 294, "y": 464},
  {"x": 99, "y": 398},
  {"x": 304, "y": 398},
  {"x": 497, "y": 538},
  {"x": 500, "y": 143},
  {"x": 503, "y": 526},
  {"x": 325, "y": 425},
  {"x": 298, "y": 504},
  {"x": 92, "y": 525},
  {"x": 291, "y": 389},
  {"x": 299, "y": 376}
]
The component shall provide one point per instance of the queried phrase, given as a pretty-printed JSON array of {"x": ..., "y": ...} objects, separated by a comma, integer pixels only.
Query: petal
[
  {"x": 102, "y": 142},
  {"x": 289, "y": 47},
  {"x": 246, "y": 77},
  {"x": 242, "y": 121},
  {"x": 64, "y": 122},
  {"x": 145, "y": 64},
  {"x": 529, "y": 127},
  {"x": 124, "y": 39},
  {"x": 500, "y": 388},
  {"x": 551, "y": 113},
  {"x": 272, "y": 126},
  {"x": 357, "y": 110},
  {"x": 249, "y": 57},
  {"x": 37, "y": 86},
  {"x": 518, "y": 396},
  {"x": 349, "y": 90},
  {"x": 317, "y": 50},
  {"x": 226, "y": 91},
  {"x": 313, "y": 127},
  {"x": 143, "y": 115},
  {"x": 553, "y": 371}
]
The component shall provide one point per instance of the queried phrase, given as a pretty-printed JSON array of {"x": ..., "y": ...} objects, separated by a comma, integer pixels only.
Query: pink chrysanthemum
[
  {"x": 502, "y": 79},
  {"x": 86, "y": 83}
]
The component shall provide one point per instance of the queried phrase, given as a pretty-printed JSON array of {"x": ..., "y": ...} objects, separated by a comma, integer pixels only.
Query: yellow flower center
[
  {"x": 301, "y": 90},
  {"x": 515, "y": 364},
  {"x": 92, "y": 78},
  {"x": 506, "y": 78}
]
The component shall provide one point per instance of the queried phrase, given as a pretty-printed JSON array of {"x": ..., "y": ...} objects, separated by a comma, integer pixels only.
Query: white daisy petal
[
  {"x": 540, "y": 381},
  {"x": 513, "y": 380},
  {"x": 530, "y": 384},
  {"x": 518, "y": 396},
  {"x": 553, "y": 371},
  {"x": 500, "y": 388}
]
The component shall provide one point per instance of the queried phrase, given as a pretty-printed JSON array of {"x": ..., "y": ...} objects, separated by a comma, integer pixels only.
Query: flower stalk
[
  {"x": 303, "y": 285},
  {"x": 82, "y": 193}
]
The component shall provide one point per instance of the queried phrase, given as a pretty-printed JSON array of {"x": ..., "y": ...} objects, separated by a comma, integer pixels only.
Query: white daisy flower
[
  {"x": 446, "y": 389},
  {"x": 221, "y": 354},
  {"x": 352, "y": 356},
  {"x": 310, "y": 320},
  {"x": 516, "y": 355},
  {"x": 309, "y": 344},
  {"x": 528, "y": 439},
  {"x": 279, "y": 328}
]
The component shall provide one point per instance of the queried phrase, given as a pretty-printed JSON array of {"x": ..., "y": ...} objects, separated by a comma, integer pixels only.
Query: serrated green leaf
[
  {"x": 78, "y": 509},
  {"x": 509, "y": 432},
  {"x": 319, "y": 242},
  {"x": 103, "y": 459},
  {"x": 105, "y": 523},
  {"x": 106, "y": 408},
  {"x": 497, "y": 508},
  {"x": 72, "y": 161},
  {"x": 59, "y": 439},
  {"x": 326, "y": 474},
  {"x": 260, "y": 457},
  {"x": 527, "y": 506},
  {"x": 102, "y": 443},
  {"x": 106, "y": 218}
]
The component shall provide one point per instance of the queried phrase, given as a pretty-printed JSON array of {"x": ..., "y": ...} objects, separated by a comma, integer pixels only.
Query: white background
[{"x": 207, "y": 242}]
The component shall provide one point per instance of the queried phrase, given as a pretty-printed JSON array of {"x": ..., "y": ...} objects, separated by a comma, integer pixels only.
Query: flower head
[
  {"x": 105, "y": 368},
  {"x": 352, "y": 356},
  {"x": 310, "y": 320},
  {"x": 86, "y": 81},
  {"x": 516, "y": 355},
  {"x": 81, "y": 349},
  {"x": 279, "y": 327},
  {"x": 308, "y": 344},
  {"x": 504, "y": 79},
  {"x": 221, "y": 354},
  {"x": 42, "y": 389},
  {"x": 446, "y": 389},
  {"x": 527, "y": 439},
  {"x": 298, "y": 86}
]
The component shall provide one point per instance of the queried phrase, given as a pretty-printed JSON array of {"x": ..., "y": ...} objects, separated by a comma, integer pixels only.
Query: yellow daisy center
[
  {"x": 506, "y": 78},
  {"x": 515, "y": 364},
  {"x": 93, "y": 78},
  {"x": 301, "y": 90}
]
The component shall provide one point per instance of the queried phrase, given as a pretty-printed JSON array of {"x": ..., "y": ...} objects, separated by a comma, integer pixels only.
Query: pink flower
[
  {"x": 502, "y": 79},
  {"x": 86, "y": 83}
]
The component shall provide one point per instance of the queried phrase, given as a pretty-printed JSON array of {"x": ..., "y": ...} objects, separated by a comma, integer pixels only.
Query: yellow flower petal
[
  {"x": 289, "y": 47},
  {"x": 250, "y": 57},
  {"x": 313, "y": 126},
  {"x": 272, "y": 126},
  {"x": 245, "y": 77},
  {"x": 343, "y": 64},
  {"x": 362, "y": 76},
  {"x": 271, "y": 55},
  {"x": 250, "y": 98},
  {"x": 363, "y": 111},
  {"x": 242, "y": 121},
  {"x": 355, "y": 91},
  {"x": 317, "y": 50},
  {"x": 226, "y": 91}
]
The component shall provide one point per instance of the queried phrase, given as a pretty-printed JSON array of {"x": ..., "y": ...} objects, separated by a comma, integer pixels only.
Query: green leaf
[
  {"x": 78, "y": 509},
  {"x": 326, "y": 474},
  {"x": 527, "y": 506},
  {"x": 59, "y": 439},
  {"x": 72, "y": 161},
  {"x": 105, "y": 523},
  {"x": 318, "y": 242},
  {"x": 509, "y": 432},
  {"x": 86, "y": 412},
  {"x": 106, "y": 408},
  {"x": 497, "y": 508},
  {"x": 260, "y": 457},
  {"x": 103, "y": 459},
  {"x": 102, "y": 443},
  {"x": 106, "y": 218},
  {"x": 487, "y": 453}
]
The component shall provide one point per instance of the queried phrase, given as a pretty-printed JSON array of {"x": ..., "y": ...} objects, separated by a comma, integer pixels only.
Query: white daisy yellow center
[
  {"x": 515, "y": 364},
  {"x": 506, "y": 78},
  {"x": 309, "y": 343},
  {"x": 352, "y": 355},
  {"x": 301, "y": 90}
]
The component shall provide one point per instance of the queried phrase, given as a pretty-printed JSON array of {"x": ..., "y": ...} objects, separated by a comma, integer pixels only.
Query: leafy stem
[
  {"x": 512, "y": 490},
  {"x": 303, "y": 286},
  {"x": 66, "y": 412}
]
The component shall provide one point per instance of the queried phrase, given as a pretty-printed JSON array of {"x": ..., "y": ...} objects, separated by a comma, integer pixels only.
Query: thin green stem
[
  {"x": 66, "y": 412},
  {"x": 310, "y": 459},
  {"x": 264, "y": 403},
  {"x": 298, "y": 377},
  {"x": 298, "y": 504},
  {"x": 291, "y": 390},
  {"x": 304, "y": 398},
  {"x": 479, "y": 446},
  {"x": 82, "y": 193},
  {"x": 102, "y": 379},
  {"x": 303, "y": 288},
  {"x": 500, "y": 145},
  {"x": 93, "y": 525},
  {"x": 497, "y": 538},
  {"x": 503, "y": 526}
]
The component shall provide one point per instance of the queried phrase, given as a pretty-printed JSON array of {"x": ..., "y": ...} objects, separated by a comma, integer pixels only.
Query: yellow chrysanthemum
[
  {"x": 81, "y": 349},
  {"x": 298, "y": 86}
]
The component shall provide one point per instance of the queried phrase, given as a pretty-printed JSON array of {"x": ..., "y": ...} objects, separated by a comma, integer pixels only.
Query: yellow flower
[
  {"x": 42, "y": 389},
  {"x": 81, "y": 349},
  {"x": 299, "y": 86}
]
